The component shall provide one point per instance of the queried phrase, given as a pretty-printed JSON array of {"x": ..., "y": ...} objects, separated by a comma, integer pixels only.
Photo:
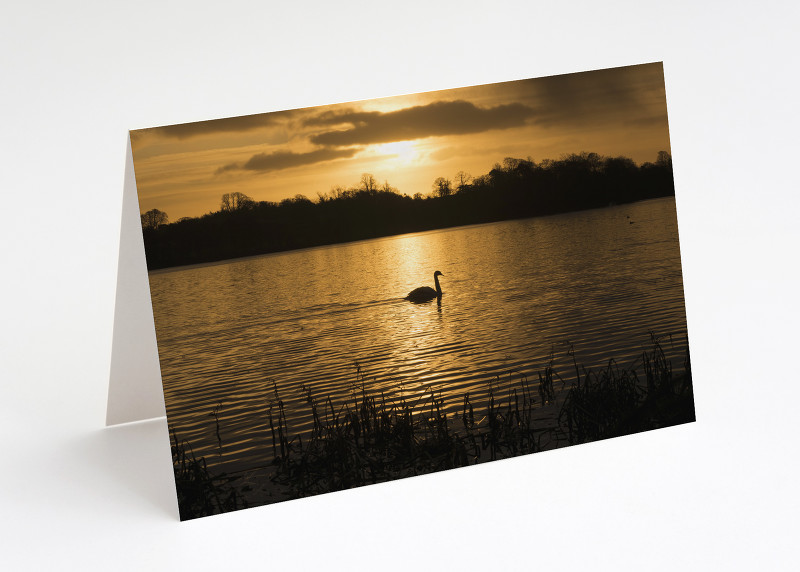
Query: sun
[{"x": 403, "y": 151}]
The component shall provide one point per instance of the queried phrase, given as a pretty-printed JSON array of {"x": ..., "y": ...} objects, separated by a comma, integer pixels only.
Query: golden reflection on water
[{"x": 514, "y": 292}]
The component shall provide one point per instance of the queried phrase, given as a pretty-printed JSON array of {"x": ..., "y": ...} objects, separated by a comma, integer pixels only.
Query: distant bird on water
[{"x": 426, "y": 293}]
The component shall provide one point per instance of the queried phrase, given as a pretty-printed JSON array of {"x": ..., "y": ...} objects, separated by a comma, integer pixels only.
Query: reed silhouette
[{"x": 373, "y": 437}]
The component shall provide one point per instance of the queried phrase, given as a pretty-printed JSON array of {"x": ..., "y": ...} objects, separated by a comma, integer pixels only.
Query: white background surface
[{"x": 718, "y": 494}]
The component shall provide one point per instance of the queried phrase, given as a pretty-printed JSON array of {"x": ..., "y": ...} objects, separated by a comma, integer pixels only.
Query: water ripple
[{"x": 517, "y": 294}]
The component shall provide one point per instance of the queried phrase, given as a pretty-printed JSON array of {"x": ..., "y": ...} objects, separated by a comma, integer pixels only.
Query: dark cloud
[
  {"x": 230, "y": 125},
  {"x": 438, "y": 118},
  {"x": 287, "y": 159},
  {"x": 341, "y": 117},
  {"x": 632, "y": 94},
  {"x": 651, "y": 120}
]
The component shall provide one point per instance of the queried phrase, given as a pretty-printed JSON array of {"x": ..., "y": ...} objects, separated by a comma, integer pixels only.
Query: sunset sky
[{"x": 408, "y": 140}]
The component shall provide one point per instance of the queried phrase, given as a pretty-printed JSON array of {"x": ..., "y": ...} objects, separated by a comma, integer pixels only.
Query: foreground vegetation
[
  {"x": 517, "y": 188},
  {"x": 373, "y": 438}
]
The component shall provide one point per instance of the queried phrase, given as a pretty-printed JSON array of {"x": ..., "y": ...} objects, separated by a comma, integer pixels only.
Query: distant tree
[
  {"x": 595, "y": 161},
  {"x": 236, "y": 201},
  {"x": 338, "y": 192},
  {"x": 298, "y": 199},
  {"x": 482, "y": 182},
  {"x": 518, "y": 168},
  {"x": 614, "y": 165},
  {"x": 154, "y": 218},
  {"x": 368, "y": 183},
  {"x": 463, "y": 180},
  {"x": 587, "y": 162},
  {"x": 442, "y": 187},
  {"x": 387, "y": 188},
  {"x": 664, "y": 159}
]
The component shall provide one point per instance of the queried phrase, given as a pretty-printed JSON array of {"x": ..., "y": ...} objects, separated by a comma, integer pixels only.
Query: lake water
[{"x": 515, "y": 293}]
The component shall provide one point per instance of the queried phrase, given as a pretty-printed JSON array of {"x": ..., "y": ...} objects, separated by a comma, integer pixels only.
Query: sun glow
[{"x": 403, "y": 151}]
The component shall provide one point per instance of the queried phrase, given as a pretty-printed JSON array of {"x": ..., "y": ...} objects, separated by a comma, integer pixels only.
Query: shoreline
[{"x": 193, "y": 265}]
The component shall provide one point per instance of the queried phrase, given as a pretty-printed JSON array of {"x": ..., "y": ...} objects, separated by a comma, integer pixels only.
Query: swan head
[{"x": 437, "y": 273}]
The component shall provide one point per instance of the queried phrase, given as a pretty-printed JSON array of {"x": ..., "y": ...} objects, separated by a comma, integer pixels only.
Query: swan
[{"x": 426, "y": 293}]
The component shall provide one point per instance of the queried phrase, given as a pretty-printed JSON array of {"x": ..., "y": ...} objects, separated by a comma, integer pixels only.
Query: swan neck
[{"x": 438, "y": 288}]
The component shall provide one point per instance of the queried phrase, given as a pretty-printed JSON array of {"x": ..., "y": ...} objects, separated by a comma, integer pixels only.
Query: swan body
[{"x": 426, "y": 293}]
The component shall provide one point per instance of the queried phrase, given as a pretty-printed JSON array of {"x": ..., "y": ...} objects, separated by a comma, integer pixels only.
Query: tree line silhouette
[{"x": 517, "y": 188}]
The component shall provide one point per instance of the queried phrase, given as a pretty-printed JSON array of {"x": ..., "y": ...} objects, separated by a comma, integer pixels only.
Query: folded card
[{"x": 354, "y": 293}]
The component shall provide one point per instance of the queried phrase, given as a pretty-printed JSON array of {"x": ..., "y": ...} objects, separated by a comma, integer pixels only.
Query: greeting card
[{"x": 350, "y": 294}]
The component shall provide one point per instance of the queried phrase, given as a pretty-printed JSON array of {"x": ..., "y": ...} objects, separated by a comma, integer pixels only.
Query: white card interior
[{"x": 134, "y": 392}]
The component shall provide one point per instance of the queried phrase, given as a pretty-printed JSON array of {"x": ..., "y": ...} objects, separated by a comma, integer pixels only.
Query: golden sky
[{"x": 408, "y": 140}]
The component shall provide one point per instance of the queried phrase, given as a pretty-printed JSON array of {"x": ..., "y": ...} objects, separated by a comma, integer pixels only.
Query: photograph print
[{"x": 355, "y": 293}]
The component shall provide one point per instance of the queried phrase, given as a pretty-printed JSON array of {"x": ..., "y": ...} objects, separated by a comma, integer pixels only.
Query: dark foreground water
[{"x": 516, "y": 292}]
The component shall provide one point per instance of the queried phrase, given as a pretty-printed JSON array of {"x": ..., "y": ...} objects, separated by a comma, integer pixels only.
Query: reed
[
  {"x": 369, "y": 439},
  {"x": 615, "y": 401},
  {"x": 372, "y": 437},
  {"x": 199, "y": 492}
]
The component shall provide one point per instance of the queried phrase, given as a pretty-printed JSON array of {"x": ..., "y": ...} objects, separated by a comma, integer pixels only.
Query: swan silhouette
[{"x": 426, "y": 293}]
